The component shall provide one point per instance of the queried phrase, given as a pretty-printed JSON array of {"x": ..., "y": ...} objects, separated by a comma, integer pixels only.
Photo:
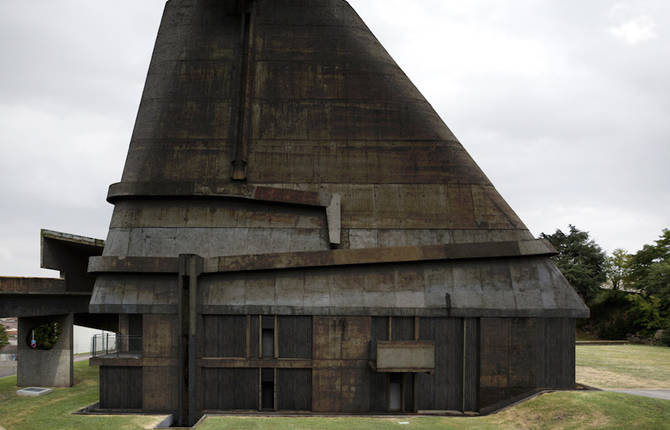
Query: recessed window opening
[
  {"x": 268, "y": 343},
  {"x": 45, "y": 336}
]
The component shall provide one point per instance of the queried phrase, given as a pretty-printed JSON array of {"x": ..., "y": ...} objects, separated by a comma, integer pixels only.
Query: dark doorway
[
  {"x": 268, "y": 389},
  {"x": 268, "y": 396},
  {"x": 395, "y": 392},
  {"x": 401, "y": 392}
]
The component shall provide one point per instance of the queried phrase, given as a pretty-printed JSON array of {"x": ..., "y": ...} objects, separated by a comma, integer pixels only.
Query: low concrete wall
[{"x": 52, "y": 368}]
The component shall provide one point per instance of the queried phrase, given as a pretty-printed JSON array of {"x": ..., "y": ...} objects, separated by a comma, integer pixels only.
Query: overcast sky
[{"x": 565, "y": 104}]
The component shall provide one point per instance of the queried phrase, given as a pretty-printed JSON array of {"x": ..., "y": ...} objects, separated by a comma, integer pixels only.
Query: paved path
[{"x": 657, "y": 394}]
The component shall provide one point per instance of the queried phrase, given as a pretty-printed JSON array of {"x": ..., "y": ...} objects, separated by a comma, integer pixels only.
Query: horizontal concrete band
[
  {"x": 133, "y": 362},
  {"x": 21, "y": 285},
  {"x": 346, "y": 311},
  {"x": 394, "y": 311},
  {"x": 35, "y": 305},
  {"x": 337, "y": 257},
  {"x": 238, "y": 362},
  {"x": 123, "y": 190}
]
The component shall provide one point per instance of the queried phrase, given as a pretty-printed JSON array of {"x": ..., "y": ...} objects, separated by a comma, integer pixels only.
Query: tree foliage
[
  {"x": 649, "y": 268},
  {"x": 581, "y": 260},
  {"x": 638, "y": 302},
  {"x": 617, "y": 268},
  {"x": 649, "y": 271},
  {"x": 4, "y": 337}
]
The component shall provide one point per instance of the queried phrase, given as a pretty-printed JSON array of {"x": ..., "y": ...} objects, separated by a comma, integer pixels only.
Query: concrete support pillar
[{"x": 45, "y": 368}]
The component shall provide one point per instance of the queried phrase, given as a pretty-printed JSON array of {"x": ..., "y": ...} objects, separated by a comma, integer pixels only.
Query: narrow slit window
[{"x": 268, "y": 343}]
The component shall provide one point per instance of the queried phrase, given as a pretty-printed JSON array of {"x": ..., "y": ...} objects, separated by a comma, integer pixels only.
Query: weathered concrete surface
[
  {"x": 511, "y": 287},
  {"x": 52, "y": 368}
]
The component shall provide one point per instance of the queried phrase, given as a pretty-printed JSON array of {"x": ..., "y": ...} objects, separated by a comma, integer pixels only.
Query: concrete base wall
[{"x": 52, "y": 368}]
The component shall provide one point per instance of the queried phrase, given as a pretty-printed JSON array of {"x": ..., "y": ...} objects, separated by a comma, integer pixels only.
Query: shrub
[{"x": 665, "y": 337}]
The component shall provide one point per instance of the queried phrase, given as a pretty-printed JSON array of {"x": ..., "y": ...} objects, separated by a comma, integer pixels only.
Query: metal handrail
[{"x": 116, "y": 345}]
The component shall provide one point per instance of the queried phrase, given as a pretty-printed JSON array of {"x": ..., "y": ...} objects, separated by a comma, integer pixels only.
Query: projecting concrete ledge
[
  {"x": 337, "y": 257},
  {"x": 330, "y": 201},
  {"x": 123, "y": 190}
]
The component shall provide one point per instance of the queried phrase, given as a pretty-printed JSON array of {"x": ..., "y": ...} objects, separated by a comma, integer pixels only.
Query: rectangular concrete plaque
[{"x": 405, "y": 356}]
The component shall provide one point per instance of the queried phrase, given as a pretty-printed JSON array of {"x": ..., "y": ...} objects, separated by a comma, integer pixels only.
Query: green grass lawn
[
  {"x": 54, "y": 410},
  {"x": 624, "y": 366},
  {"x": 565, "y": 410}
]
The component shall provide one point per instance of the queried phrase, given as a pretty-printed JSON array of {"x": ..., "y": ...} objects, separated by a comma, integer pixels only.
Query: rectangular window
[
  {"x": 268, "y": 336},
  {"x": 268, "y": 343},
  {"x": 134, "y": 343}
]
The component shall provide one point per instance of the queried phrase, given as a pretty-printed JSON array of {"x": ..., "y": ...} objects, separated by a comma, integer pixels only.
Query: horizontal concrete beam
[
  {"x": 346, "y": 311},
  {"x": 284, "y": 363},
  {"x": 72, "y": 238},
  {"x": 392, "y": 311},
  {"x": 133, "y": 362},
  {"x": 42, "y": 304},
  {"x": 20, "y": 285},
  {"x": 337, "y": 257}
]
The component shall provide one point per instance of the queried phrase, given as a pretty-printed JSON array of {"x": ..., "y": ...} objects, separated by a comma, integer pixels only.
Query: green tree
[
  {"x": 581, "y": 260},
  {"x": 649, "y": 271},
  {"x": 618, "y": 268},
  {"x": 4, "y": 338}
]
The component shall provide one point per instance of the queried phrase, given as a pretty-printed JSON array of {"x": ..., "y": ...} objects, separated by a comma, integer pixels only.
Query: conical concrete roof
[
  {"x": 258, "y": 115},
  {"x": 309, "y": 100}
]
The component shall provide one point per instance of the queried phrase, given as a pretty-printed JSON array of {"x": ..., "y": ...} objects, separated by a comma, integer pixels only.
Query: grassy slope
[
  {"x": 54, "y": 411},
  {"x": 565, "y": 410},
  {"x": 624, "y": 366}
]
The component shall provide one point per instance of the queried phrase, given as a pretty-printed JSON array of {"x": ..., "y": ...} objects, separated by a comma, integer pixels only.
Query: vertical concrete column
[
  {"x": 45, "y": 368},
  {"x": 190, "y": 268}
]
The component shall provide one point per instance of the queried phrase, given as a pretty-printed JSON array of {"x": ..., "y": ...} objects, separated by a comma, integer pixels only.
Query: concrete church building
[{"x": 296, "y": 229}]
